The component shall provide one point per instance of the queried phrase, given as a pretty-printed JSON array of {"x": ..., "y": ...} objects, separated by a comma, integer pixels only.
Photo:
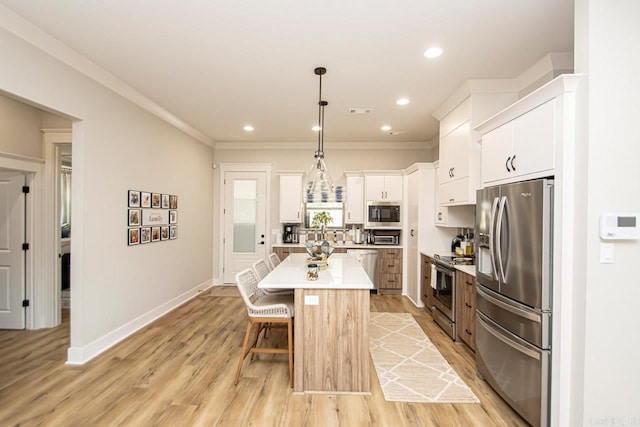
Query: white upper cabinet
[
  {"x": 521, "y": 147},
  {"x": 291, "y": 197},
  {"x": 521, "y": 142},
  {"x": 383, "y": 187},
  {"x": 460, "y": 152},
  {"x": 355, "y": 199}
]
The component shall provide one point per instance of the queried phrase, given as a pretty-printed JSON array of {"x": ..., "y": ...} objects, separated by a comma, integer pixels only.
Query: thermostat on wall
[{"x": 620, "y": 226}]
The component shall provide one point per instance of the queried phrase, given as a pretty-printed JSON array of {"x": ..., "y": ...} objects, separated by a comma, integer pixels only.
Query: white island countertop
[{"x": 344, "y": 272}]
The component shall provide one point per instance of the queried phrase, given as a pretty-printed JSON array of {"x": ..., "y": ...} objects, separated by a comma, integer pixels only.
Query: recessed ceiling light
[
  {"x": 385, "y": 128},
  {"x": 432, "y": 52},
  {"x": 248, "y": 128},
  {"x": 316, "y": 128},
  {"x": 402, "y": 101}
]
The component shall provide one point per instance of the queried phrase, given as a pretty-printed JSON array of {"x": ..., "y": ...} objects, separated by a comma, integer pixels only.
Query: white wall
[
  {"x": 607, "y": 52},
  {"x": 117, "y": 146},
  {"x": 20, "y": 126},
  {"x": 338, "y": 161}
]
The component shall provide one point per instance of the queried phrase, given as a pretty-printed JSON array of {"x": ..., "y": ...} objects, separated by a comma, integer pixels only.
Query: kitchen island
[{"x": 331, "y": 323}]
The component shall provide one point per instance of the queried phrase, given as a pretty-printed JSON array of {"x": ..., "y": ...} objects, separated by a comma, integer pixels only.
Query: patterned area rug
[{"x": 409, "y": 366}]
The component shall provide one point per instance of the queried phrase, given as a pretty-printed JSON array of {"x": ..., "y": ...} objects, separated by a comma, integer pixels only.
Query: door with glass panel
[{"x": 244, "y": 221}]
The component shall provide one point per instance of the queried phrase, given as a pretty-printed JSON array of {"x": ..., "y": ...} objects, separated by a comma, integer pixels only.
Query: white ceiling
[{"x": 221, "y": 64}]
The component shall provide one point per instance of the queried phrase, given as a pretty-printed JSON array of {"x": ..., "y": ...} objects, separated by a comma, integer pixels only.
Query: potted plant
[
  {"x": 320, "y": 249},
  {"x": 320, "y": 220}
]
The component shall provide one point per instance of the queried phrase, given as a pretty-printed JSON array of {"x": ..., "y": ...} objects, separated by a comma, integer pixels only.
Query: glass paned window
[
  {"x": 244, "y": 215},
  {"x": 334, "y": 209}
]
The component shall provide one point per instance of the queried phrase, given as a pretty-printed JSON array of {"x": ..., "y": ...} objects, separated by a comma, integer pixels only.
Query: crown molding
[
  {"x": 25, "y": 30},
  {"x": 257, "y": 145}
]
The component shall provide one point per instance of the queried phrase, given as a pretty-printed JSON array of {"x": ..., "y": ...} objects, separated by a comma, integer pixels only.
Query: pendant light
[{"x": 319, "y": 186}]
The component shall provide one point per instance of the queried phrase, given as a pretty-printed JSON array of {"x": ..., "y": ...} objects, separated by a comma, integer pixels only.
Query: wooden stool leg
[
  {"x": 244, "y": 351},
  {"x": 290, "y": 342},
  {"x": 255, "y": 341}
]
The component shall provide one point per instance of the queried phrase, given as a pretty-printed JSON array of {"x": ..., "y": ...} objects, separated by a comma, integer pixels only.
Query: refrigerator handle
[
  {"x": 492, "y": 228},
  {"x": 501, "y": 209}
]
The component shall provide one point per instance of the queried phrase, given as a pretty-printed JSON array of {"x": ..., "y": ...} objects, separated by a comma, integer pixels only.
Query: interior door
[
  {"x": 244, "y": 221},
  {"x": 12, "y": 259}
]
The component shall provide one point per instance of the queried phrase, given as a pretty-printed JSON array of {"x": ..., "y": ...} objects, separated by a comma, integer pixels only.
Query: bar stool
[{"x": 264, "y": 311}]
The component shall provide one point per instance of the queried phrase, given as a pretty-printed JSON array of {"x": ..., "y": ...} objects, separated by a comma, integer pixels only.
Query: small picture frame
[
  {"x": 173, "y": 202},
  {"x": 164, "y": 232},
  {"x": 134, "y": 199},
  {"x": 173, "y": 232},
  {"x": 145, "y": 234},
  {"x": 165, "y": 201},
  {"x": 155, "y": 234},
  {"x": 133, "y": 236},
  {"x": 155, "y": 200},
  {"x": 145, "y": 199},
  {"x": 173, "y": 217},
  {"x": 134, "y": 217}
]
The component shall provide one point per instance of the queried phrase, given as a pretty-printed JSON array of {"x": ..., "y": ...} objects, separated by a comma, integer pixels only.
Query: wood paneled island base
[
  {"x": 331, "y": 323},
  {"x": 331, "y": 347}
]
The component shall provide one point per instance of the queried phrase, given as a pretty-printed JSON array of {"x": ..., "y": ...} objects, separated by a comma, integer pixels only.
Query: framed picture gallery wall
[{"x": 151, "y": 217}]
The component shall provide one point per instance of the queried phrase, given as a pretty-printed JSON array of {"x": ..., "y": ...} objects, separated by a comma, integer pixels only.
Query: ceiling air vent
[{"x": 360, "y": 110}]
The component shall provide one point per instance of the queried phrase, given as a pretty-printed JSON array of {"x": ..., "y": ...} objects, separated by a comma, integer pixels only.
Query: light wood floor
[{"x": 179, "y": 372}]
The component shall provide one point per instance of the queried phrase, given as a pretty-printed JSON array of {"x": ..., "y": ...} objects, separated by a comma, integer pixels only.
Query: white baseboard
[{"x": 81, "y": 355}]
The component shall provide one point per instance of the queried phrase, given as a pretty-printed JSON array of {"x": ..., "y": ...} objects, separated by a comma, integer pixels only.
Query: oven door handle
[{"x": 444, "y": 270}]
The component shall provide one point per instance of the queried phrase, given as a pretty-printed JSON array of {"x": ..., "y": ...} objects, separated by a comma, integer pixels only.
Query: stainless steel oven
[{"x": 444, "y": 296}]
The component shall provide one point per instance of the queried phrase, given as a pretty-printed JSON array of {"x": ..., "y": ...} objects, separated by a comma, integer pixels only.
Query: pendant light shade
[{"x": 319, "y": 185}]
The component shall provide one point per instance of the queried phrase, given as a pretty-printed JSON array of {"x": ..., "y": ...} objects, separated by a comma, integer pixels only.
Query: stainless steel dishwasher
[{"x": 368, "y": 258}]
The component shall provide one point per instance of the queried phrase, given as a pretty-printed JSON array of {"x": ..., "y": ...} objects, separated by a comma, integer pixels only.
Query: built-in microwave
[{"x": 383, "y": 214}]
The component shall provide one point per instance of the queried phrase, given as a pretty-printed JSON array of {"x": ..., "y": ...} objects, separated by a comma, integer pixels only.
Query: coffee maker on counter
[{"x": 290, "y": 233}]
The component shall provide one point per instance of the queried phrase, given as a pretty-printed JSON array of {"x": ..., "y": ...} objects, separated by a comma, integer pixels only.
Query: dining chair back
[
  {"x": 265, "y": 311},
  {"x": 261, "y": 269},
  {"x": 274, "y": 260}
]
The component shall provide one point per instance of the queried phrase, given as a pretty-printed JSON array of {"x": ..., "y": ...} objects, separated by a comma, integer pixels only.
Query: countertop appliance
[
  {"x": 290, "y": 233},
  {"x": 383, "y": 215},
  {"x": 385, "y": 237},
  {"x": 514, "y": 283}
]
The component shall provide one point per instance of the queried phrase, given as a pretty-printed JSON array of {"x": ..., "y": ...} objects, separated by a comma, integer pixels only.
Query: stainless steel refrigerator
[{"x": 514, "y": 233}]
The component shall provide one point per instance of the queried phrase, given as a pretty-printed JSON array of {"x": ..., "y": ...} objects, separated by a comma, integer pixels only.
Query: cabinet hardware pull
[
  {"x": 390, "y": 265},
  {"x": 413, "y": 233},
  {"x": 467, "y": 331},
  {"x": 468, "y": 283},
  {"x": 467, "y": 304},
  {"x": 453, "y": 172},
  {"x": 451, "y": 200},
  {"x": 513, "y": 168},
  {"x": 439, "y": 216},
  {"x": 506, "y": 164}
]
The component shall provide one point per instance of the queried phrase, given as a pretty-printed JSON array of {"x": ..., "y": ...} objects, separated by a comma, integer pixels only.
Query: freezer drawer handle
[
  {"x": 517, "y": 311},
  {"x": 515, "y": 346}
]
